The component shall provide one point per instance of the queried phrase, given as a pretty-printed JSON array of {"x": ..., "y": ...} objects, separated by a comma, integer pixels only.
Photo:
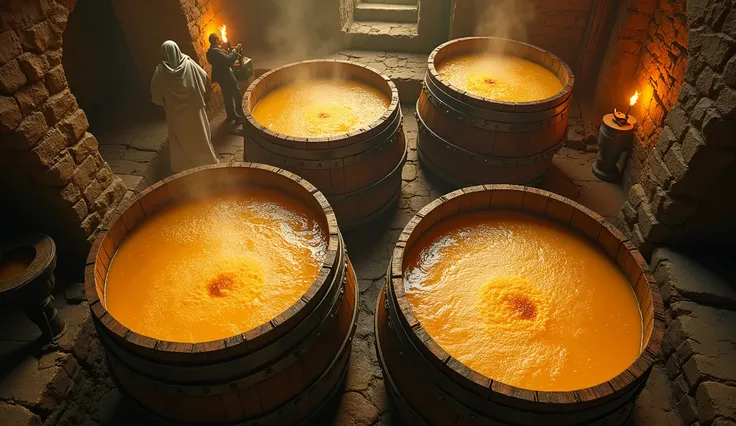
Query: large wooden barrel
[
  {"x": 469, "y": 140},
  {"x": 429, "y": 387},
  {"x": 281, "y": 372},
  {"x": 358, "y": 172}
]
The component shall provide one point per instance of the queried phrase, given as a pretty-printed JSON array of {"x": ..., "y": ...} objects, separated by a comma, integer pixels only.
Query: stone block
[
  {"x": 675, "y": 163},
  {"x": 675, "y": 211},
  {"x": 59, "y": 174},
  {"x": 53, "y": 57},
  {"x": 729, "y": 25},
  {"x": 57, "y": 106},
  {"x": 714, "y": 48},
  {"x": 40, "y": 37},
  {"x": 45, "y": 153},
  {"x": 28, "y": 132},
  {"x": 92, "y": 191},
  {"x": 17, "y": 415},
  {"x": 678, "y": 122},
  {"x": 726, "y": 102},
  {"x": 56, "y": 80},
  {"x": 717, "y": 130},
  {"x": 33, "y": 66},
  {"x": 74, "y": 125},
  {"x": 629, "y": 214},
  {"x": 679, "y": 387},
  {"x": 665, "y": 140},
  {"x": 84, "y": 174},
  {"x": 86, "y": 146},
  {"x": 10, "y": 115},
  {"x": 715, "y": 400},
  {"x": 695, "y": 281},
  {"x": 705, "y": 81},
  {"x": 658, "y": 169},
  {"x": 11, "y": 77},
  {"x": 90, "y": 223},
  {"x": 79, "y": 211},
  {"x": 652, "y": 230},
  {"x": 70, "y": 194},
  {"x": 688, "y": 409},
  {"x": 31, "y": 97},
  {"x": 698, "y": 155},
  {"x": 104, "y": 175},
  {"x": 110, "y": 197},
  {"x": 703, "y": 367},
  {"x": 729, "y": 72},
  {"x": 9, "y": 46},
  {"x": 699, "y": 111}
]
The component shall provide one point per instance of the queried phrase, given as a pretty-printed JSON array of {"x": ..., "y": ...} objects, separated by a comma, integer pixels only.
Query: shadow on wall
[
  {"x": 98, "y": 63},
  {"x": 290, "y": 30}
]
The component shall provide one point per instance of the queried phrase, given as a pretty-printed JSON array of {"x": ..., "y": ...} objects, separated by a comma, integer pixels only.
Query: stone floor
[{"x": 70, "y": 386}]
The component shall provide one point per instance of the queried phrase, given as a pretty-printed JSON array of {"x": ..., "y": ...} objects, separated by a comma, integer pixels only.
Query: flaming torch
[
  {"x": 223, "y": 34},
  {"x": 614, "y": 138}
]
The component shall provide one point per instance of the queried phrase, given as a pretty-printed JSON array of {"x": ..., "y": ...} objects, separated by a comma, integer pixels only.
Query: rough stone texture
[
  {"x": 694, "y": 160},
  {"x": 700, "y": 338},
  {"x": 35, "y": 163}
]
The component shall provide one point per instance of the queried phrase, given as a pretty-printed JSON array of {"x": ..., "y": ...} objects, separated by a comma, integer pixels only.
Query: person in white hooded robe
[{"x": 179, "y": 84}]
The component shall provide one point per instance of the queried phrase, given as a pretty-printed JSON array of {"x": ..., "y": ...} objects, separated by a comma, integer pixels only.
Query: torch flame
[
  {"x": 634, "y": 98},
  {"x": 223, "y": 33}
]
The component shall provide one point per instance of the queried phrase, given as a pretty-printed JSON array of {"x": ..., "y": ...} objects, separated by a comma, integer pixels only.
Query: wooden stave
[
  {"x": 609, "y": 239},
  {"x": 290, "y": 412},
  {"x": 382, "y": 145},
  {"x": 248, "y": 342}
]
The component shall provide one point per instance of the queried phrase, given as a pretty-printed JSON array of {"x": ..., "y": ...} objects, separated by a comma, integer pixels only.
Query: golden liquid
[
  {"x": 524, "y": 301},
  {"x": 319, "y": 108},
  {"x": 502, "y": 78},
  {"x": 14, "y": 262},
  {"x": 214, "y": 267}
]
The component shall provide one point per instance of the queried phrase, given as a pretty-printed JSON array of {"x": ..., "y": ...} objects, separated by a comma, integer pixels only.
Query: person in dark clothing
[{"x": 222, "y": 74}]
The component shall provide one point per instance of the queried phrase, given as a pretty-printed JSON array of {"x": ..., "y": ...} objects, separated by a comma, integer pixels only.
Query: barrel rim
[
  {"x": 287, "y": 140},
  {"x": 430, "y": 348},
  {"x": 489, "y": 103},
  {"x": 115, "y": 328}
]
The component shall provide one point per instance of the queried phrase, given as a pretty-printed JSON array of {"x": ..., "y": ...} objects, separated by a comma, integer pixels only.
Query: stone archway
[{"x": 52, "y": 176}]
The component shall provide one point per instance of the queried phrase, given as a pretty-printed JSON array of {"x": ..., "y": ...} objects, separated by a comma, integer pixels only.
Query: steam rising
[{"x": 503, "y": 18}]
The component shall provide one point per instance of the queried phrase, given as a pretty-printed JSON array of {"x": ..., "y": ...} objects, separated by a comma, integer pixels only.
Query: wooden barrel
[
  {"x": 429, "y": 387},
  {"x": 469, "y": 140},
  {"x": 281, "y": 372},
  {"x": 358, "y": 172}
]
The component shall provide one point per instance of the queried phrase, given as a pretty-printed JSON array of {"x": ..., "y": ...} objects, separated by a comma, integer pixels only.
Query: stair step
[
  {"x": 403, "y": 2},
  {"x": 386, "y": 12},
  {"x": 387, "y": 36}
]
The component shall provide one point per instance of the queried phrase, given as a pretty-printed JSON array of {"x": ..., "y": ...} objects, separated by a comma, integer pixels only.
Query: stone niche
[{"x": 682, "y": 194}]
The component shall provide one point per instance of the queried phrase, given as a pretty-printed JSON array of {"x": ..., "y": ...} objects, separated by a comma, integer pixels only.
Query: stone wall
[
  {"x": 658, "y": 78},
  {"x": 685, "y": 193},
  {"x": 52, "y": 176},
  {"x": 555, "y": 25}
]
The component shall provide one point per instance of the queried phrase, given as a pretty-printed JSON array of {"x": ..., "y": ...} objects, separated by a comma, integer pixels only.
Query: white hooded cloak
[{"x": 179, "y": 85}]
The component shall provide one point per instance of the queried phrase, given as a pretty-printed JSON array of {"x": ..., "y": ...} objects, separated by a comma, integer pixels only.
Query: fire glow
[
  {"x": 634, "y": 98},
  {"x": 223, "y": 34}
]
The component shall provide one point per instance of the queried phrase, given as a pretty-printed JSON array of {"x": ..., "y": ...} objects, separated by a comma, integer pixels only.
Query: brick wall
[
  {"x": 53, "y": 177},
  {"x": 659, "y": 76},
  {"x": 685, "y": 191},
  {"x": 555, "y": 25}
]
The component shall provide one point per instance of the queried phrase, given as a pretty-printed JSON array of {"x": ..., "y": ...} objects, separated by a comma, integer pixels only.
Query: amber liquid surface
[
  {"x": 523, "y": 301},
  {"x": 320, "y": 107},
  {"x": 14, "y": 262},
  {"x": 211, "y": 268},
  {"x": 504, "y": 78}
]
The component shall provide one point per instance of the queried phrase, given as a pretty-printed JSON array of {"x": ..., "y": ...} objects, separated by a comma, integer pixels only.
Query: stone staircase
[{"x": 385, "y": 25}]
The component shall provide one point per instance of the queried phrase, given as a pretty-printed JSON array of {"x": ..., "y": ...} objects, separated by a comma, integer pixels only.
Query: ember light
[
  {"x": 223, "y": 33},
  {"x": 614, "y": 138}
]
